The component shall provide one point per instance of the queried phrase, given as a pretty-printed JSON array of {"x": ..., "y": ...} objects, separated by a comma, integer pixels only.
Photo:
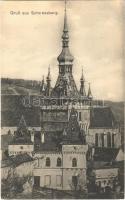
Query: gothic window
[
  {"x": 47, "y": 162},
  {"x": 108, "y": 139},
  {"x": 59, "y": 162},
  {"x": 74, "y": 162},
  {"x": 96, "y": 139}
]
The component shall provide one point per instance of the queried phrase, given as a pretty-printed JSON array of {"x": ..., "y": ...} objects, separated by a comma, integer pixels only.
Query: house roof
[
  {"x": 47, "y": 146},
  {"x": 17, "y": 160},
  {"x": 102, "y": 117},
  {"x": 105, "y": 154}
]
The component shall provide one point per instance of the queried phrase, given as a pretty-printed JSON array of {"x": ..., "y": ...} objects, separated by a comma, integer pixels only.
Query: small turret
[
  {"x": 48, "y": 81},
  {"x": 82, "y": 86},
  {"x": 89, "y": 93}
]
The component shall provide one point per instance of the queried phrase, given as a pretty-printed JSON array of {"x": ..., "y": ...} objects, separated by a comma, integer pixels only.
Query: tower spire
[
  {"x": 65, "y": 85},
  {"x": 65, "y": 56}
]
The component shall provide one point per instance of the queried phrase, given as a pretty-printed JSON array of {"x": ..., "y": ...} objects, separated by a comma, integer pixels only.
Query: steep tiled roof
[
  {"x": 105, "y": 154},
  {"x": 101, "y": 117}
]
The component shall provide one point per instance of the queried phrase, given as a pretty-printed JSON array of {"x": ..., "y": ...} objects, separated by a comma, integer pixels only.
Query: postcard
[{"x": 62, "y": 94}]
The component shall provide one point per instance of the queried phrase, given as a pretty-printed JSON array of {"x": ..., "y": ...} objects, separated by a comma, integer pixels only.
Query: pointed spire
[
  {"x": 89, "y": 92},
  {"x": 48, "y": 80},
  {"x": 82, "y": 87},
  {"x": 65, "y": 19}
]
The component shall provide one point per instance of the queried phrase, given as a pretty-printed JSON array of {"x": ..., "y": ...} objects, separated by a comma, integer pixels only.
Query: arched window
[
  {"x": 109, "y": 139},
  {"x": 48, "y": 162},
  {"x": 74, "y": 162},
  {"x": 59, "y": 162}
]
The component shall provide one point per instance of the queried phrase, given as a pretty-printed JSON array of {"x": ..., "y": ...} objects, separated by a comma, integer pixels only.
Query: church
[{"x": 71, "y": 131}]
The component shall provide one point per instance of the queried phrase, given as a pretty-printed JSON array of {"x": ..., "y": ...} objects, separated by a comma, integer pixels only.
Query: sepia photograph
[{"x": 62, "y": 99}]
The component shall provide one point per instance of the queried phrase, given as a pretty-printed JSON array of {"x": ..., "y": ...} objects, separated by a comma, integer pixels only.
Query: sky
[{"x": 32, "y": 42}]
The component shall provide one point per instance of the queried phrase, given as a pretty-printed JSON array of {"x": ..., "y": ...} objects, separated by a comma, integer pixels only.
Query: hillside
[{"x": 19, "y": 87}]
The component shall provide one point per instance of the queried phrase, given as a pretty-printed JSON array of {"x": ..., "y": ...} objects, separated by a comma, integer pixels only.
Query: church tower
[{"x": 65, "y": 85}]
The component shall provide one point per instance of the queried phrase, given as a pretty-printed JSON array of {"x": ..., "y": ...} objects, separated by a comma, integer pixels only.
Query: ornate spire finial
[
  {"x": 65, "y": 5},
  {"x": 65, "y": 35},
  {"x": 65, "y": 55}
]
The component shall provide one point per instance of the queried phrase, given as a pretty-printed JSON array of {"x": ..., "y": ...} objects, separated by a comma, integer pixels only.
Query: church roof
[
  {"x": 105, "y": 154},
  {"x": 101, "y": 117}
]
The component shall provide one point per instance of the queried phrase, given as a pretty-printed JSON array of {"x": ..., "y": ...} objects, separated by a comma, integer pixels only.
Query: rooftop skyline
[{"x": 33, "y": 42}]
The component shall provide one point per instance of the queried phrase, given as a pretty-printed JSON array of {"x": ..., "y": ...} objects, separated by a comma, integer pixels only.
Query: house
[{"x": 63, "y": 165}]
